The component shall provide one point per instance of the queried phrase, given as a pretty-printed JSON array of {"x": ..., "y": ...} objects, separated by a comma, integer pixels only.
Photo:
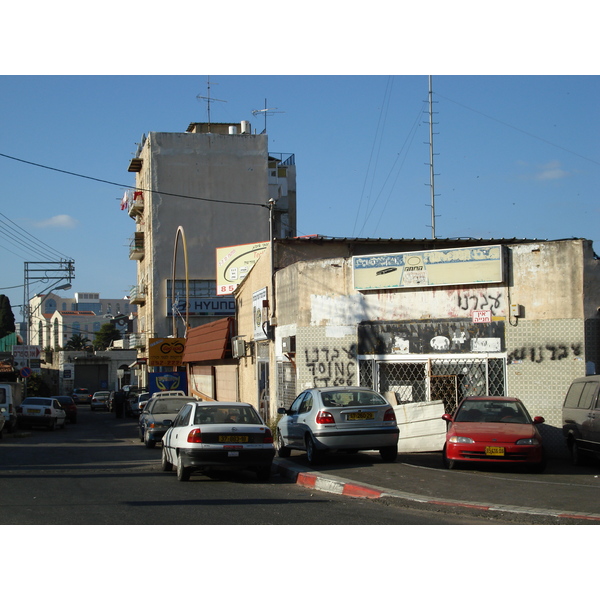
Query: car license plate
[
  {"x": 34, "y": 411},
  {"x": 361, "y": 416},
  {"x": 233, "y": 439},
  {"x": 494, "y": 451}
]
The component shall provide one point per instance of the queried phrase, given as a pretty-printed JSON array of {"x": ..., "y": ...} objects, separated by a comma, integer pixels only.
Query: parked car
[
  {"x": 133, "y": 404},
  {"x": 69, "y": 406},
  {"x": 332, "y": 419},
  {"x": 581, "y": 418},
  {"x": 82, "y": 395},
  {"x": 207, "y": 436},
  {"x": 151, "y": 422},
  {"x": 7, "y": 404},
  {"x": 40, "y": 411},
  {"x": 100, "y": 400},
  {"x": 2, "y": 420},
  {"x": 493, "y": 429}
]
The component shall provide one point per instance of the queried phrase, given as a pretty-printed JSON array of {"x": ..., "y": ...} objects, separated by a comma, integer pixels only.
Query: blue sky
[{"x": 515, "y": 155}]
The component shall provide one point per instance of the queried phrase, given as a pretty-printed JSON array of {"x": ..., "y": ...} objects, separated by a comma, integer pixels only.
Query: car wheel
[
  {"x": 263, "y": 473},
  {"x": 64, "y": 423},
  {"x": 448, "y": 463},
  {"x": 312, "y": 454},
  {"x": 52, "y": 425},
  {"x": 389, "y": 454},
  {"x": 149, "y": 443},
  {"x": 165, "y": 465},
  {"x": 282, "y": 451},
  {"x": 575, "y": 454},
  {"x": 183, "y": 473},
  {"x": 141, "y": 435}
]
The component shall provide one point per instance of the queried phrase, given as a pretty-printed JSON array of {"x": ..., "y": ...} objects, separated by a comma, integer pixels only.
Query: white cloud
[
  {"x": 552, "y": 170},
  {"x": 57, "y": 222}
]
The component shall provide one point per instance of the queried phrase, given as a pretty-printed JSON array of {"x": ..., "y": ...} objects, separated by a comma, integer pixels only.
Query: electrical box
[
  {"x": 239, "y": 348},
  {"x": 288, "y": 344},
  {"x": 516, "y": 310}
]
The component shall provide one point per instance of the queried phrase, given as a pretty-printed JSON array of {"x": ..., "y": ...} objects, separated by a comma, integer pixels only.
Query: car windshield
[
  {"x": 166, "y": 406},
  {"x": 352, "y": 398},
  {"x": 226, "y": 414},
  {"x": 38, "y": 401},
  {"x": 486, "y": 411}
]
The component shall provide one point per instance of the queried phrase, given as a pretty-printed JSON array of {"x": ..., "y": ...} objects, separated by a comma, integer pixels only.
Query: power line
[{"x": 131, "y": 187}]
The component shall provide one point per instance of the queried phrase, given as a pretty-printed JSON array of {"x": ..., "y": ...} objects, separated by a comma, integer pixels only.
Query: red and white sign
[
  {"x": 24, "y": 351},
  {"x": 482, "y": 316}
]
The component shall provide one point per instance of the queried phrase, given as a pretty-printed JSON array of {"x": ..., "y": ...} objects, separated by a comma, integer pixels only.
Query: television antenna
[
  {"x": 266, "y": 111},
  {"x": 209, "y": 99}
]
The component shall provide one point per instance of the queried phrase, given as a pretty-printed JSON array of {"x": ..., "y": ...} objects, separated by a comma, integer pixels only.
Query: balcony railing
[
  {"x": 136, "y": 246},
  {"x": 137, "y": 295},
  {"x": 137, "y": 340}
]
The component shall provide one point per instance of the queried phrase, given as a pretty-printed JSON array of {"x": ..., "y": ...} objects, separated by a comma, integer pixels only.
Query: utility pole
[{"x": 431, "y": 172}]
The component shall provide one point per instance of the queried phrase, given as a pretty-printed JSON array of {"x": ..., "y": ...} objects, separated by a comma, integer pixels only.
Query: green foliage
[
  {"x": 78, "y": 342},
  {"x": 36, "y": 386},
  {"x": 106, "y": 334},
  {"x": 7, "y": 318}
]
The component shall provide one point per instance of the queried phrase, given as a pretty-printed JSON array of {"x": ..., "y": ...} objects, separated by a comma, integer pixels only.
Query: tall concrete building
[{"x": 206, "y": 188}]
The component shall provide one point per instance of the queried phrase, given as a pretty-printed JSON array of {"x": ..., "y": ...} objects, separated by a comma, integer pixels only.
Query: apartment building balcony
[
  {"x": 137, "y": 295},
  {"x": 137, "y": 340},
  {"x": 136, "y": 246},
  {"x": 135, "y": 206}
]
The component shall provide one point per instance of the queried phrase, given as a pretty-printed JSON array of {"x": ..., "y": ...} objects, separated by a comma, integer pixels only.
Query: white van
[
  {"x": 581, "y": 418},
  {"x": 7, "y": 407}
]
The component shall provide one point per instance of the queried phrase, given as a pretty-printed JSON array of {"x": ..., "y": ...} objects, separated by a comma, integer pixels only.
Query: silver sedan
[{"x": 334, "y": 419}]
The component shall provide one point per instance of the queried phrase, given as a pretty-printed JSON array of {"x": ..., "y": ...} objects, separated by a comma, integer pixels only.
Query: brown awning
[{"x": 209, "y": 342}]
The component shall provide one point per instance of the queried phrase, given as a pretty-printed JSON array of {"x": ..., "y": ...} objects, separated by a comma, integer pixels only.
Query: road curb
[{"x": 336, "y": 485}]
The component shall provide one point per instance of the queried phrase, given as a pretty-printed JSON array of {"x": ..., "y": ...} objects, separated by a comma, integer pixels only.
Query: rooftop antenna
[
  {"x": 209, "y": 99},
  {"x": 266, "y": 112},
  {"x": 431, "y": 155}
]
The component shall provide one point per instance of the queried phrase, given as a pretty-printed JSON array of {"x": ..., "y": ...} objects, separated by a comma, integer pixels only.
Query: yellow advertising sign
[
  {"x": 234, "y": 263},
  {"x": 166, "y": 352}
]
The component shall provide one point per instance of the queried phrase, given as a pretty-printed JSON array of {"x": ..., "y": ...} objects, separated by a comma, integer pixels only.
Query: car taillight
[
  {"x": 324, "y": 418},
  {"x": 390, "y": 415},
  {"x": 194, "y": 436},
  {"x": 268, "y": 439},
  {"x": 47, "y": 412}
]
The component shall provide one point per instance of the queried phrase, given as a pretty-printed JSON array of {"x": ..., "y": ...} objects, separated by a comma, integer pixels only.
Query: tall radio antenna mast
[
  {"x": 208, "y": 99},
  {"x": 431, "y": 172}
]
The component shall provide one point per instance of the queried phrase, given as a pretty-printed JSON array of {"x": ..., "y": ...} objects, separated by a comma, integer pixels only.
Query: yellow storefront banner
[{"x": 166, "y": 352}]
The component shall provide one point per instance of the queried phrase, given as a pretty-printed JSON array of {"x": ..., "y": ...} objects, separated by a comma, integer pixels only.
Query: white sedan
[
  {"x": 41, "y": 411},
  {"x": 216, "y": 436}
]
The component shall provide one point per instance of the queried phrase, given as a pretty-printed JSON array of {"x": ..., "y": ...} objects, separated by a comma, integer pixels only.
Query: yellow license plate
[
  {"x": 494, "y": 451},
  {"x": 34, "y": 411},
  {"x": 361, "y": 416},
  {"x": 233, "y": 439}
]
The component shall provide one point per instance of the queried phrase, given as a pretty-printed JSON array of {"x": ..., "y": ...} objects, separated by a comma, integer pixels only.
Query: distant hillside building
[{"x": 206, "y": 188}]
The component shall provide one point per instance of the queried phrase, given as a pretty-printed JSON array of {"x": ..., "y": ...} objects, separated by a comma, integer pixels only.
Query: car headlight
[
  {"x": 528, "y": 442},
  {"x": 457, "y": 439}
]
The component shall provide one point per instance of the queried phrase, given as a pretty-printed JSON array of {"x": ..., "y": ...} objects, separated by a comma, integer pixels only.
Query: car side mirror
[
  {"x": 447, "y": 417},
  {"x": 167, "y": 422},
  {"x": 282, "y": 411},
  {"x": 538, "y": 420}
]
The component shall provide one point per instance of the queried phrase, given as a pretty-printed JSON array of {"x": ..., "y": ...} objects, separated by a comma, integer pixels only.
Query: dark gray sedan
[
  {"x": 151, "y": 426},
  {"x": 332, "y": 419}
]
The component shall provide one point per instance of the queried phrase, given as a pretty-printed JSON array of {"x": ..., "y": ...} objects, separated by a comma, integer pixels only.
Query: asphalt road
[{"x": 97, "y": 472}]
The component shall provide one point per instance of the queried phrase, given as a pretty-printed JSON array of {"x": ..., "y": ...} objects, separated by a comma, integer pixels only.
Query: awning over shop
[{"x": 209, "y": 342}]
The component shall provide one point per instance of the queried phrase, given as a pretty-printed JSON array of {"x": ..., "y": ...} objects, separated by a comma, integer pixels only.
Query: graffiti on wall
[
  {"x": 331, "y": 366},
  {"x": 468, "y": 302},
  {"x": 541, "y": 353},
  {"x": 432, "y": 336}
]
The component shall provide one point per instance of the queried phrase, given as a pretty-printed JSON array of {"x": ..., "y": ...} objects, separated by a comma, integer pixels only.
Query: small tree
[
  {"x": 78, "y": 342},
  {"x": 106, "y": 334},
  {"x": 7, "y": 318}
]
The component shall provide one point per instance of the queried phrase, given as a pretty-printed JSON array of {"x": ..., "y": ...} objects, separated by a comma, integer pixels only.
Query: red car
[
  {"x": 69, "y": 406},
  {"x": 493, "y": 429}
]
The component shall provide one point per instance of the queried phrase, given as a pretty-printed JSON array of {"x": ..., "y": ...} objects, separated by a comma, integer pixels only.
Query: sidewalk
[{"x": 563, "y": 494}]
